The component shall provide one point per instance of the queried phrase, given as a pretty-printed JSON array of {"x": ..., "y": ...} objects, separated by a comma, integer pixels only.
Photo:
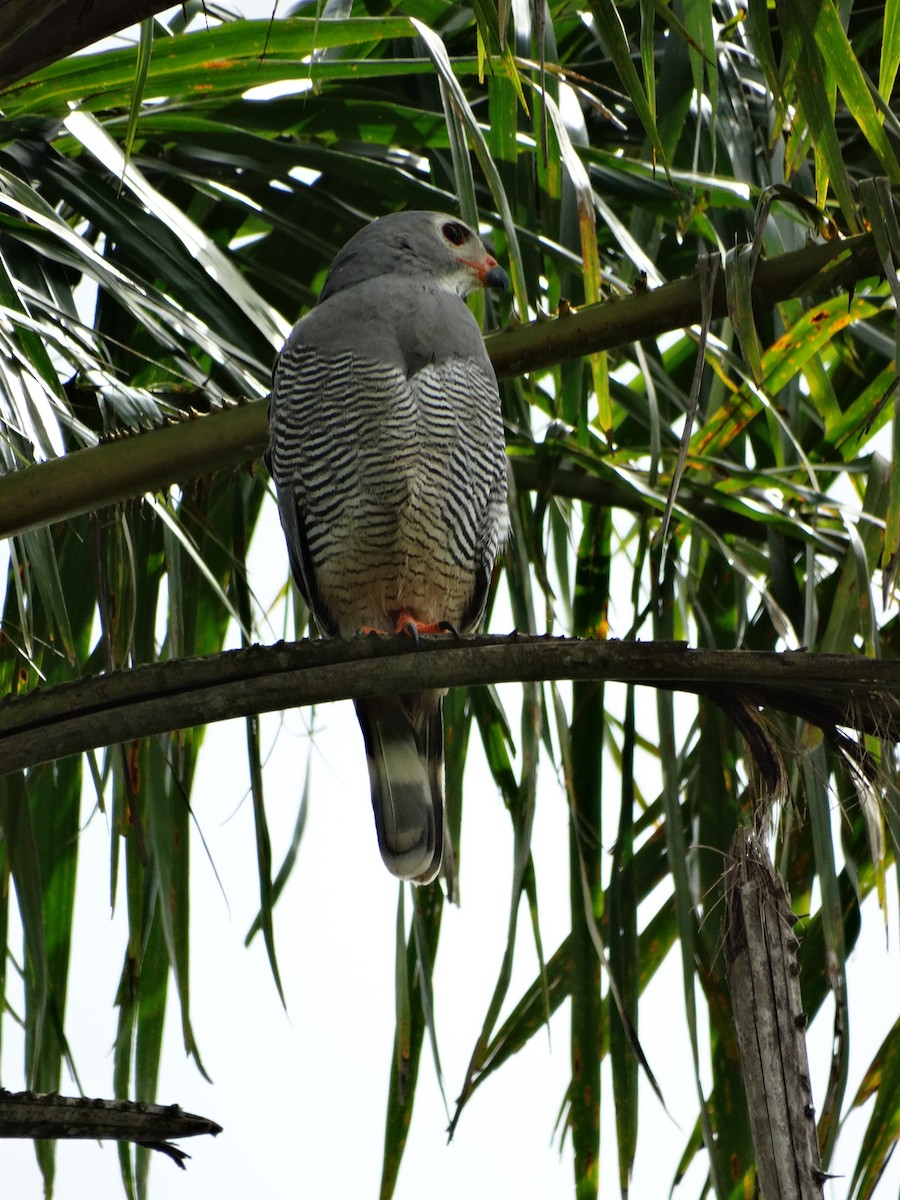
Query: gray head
[{"x": 435, "y": 245}]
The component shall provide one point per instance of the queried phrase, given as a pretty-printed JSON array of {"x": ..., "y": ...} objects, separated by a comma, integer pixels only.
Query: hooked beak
[
  {"x": 488, "y": 272},
  {"x": 494, "y": 276}
]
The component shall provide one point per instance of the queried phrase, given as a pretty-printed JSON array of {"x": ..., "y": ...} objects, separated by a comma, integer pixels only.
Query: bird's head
[{"x": 434, "y": 246}]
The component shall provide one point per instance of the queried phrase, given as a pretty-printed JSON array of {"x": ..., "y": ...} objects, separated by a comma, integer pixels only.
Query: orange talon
[{"x": 405, "y": 622}]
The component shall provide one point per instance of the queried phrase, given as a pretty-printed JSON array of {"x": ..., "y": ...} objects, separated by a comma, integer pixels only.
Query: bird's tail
[{"x": 406, "y": 770}]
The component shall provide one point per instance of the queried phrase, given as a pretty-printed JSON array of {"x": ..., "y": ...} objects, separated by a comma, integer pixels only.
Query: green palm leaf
[{"x": 168, "y": 210}]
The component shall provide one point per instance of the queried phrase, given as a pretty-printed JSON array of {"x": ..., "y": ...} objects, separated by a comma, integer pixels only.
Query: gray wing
[
  {"x": 335, "y": 469},
  {"x": 462, "y": 405},
  {"x": 304, "y": 453}
]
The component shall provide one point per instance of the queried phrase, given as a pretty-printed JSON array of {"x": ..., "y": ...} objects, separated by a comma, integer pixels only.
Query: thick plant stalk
[
  {"x": 828, "y": 690},
  {"x": 763, "y": 979}
]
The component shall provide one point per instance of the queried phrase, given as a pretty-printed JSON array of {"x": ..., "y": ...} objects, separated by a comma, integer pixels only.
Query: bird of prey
[{"x": 387, "y": 452}]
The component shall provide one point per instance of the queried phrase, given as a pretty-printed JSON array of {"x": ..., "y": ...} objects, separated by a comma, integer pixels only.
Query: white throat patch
[{"x": 460, "y": 282}]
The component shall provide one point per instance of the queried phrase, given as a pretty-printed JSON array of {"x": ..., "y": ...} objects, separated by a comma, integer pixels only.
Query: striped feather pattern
[{"x": 399, "y": 485}]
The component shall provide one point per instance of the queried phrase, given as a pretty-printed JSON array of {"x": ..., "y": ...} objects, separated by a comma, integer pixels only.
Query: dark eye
[{"x": 455, "y": 233}]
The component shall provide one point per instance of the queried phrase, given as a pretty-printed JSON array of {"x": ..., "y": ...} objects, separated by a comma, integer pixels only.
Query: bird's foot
[{"x": 405, "y": 622}]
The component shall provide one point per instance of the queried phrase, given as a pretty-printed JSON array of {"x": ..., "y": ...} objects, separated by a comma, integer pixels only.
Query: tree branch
[
  {"x": 815, "y": 270},
  {"x": 35, "y": 33},
  {"x": 89, "y": 479},
  {"x": 49, "y": 723},
  {"x": 30, "y": 1115}
]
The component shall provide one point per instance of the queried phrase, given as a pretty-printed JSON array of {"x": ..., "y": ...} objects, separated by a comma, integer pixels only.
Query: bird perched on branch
[{"x": 386, "y": 447}]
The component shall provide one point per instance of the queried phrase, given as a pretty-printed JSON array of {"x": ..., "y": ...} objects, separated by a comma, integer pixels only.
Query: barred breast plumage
[{"x": 387, "y": 452}]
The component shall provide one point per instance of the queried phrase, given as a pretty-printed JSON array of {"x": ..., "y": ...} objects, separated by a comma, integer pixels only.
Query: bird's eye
[{"x": 455, "y": 233}]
